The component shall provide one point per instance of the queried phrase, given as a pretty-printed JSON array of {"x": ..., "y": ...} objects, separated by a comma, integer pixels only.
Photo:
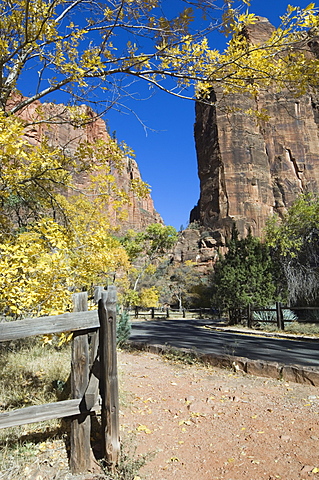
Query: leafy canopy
[
  {"x": 145, "y": 249},
  {"x": 86, "y": 48}
]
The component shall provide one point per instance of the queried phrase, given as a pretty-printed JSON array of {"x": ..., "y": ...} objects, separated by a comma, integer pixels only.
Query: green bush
[
  {"x": 123, "y": 327},
  {"x": 245, "y": 275}
]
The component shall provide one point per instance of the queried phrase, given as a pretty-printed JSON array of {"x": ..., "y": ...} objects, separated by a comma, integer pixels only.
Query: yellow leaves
[
  {"x": 247, "y": 19},
  {"x": 47, "y": 339},
  {"x": 143, "y": 428},
  {"x": 184, "y": 422},
  {"x": 149, "y": 297},
  {"x": 65, "y": 337}
]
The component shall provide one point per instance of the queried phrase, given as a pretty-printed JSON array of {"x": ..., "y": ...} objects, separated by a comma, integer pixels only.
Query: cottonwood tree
[{"x": 145, "y": 250}]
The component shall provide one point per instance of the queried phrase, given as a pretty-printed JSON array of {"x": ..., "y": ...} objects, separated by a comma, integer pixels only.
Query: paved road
[{"x": 191, "y": 334}]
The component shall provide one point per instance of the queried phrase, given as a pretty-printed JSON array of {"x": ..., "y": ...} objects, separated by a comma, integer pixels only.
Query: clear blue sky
[{"x": 166, "y": 151}]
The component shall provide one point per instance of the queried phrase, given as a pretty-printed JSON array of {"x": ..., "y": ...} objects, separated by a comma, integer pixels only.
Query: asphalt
[{"x": 204, "y": 336}]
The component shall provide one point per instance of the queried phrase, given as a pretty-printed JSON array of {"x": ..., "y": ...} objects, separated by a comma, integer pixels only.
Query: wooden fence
[
  {"x": 279, "y": 309},
  {"x": 94, "y": 381},
  {"x": 138, "y": 312},
  {"x": 236, "y": 316}
]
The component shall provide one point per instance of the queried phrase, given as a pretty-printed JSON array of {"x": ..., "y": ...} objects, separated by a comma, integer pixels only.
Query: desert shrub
[
  {"x": 271, "y": 316},
  {"x": 123, "y": 327}
]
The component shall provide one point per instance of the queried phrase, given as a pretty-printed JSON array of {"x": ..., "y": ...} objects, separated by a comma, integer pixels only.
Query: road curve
[{"x": 192, "y": 334}]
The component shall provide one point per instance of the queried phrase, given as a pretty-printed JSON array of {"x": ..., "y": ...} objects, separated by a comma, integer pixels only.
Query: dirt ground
[
  {"x": 204, "y": 423},
  {"x": 212, "y": 424}
]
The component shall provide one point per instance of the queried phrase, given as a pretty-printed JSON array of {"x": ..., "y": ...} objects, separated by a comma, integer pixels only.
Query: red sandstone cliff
[
  {"x": 249, "y": 171},
  {"x": 140, "y": 212}
]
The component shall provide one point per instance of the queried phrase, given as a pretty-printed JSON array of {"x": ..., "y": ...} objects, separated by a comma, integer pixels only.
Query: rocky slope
[
  {"x": 140, "y": 211},
  {"x": 247, "y": 170}
]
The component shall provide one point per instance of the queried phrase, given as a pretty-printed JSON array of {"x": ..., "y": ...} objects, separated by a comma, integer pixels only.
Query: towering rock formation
[
  {"x": 139, "y": 212},
  {"x": 248, "y": 170}
]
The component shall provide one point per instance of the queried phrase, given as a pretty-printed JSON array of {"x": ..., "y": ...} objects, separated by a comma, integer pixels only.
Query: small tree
[
  {"x": 245, "y": 275},
  {"x": 146, "y": 248},
  {"x": 295, "y": 241},
  {"x": 123, "y": 327},
  {"x": 149, "y": 297},
  {"x": 180, "y": 283}
]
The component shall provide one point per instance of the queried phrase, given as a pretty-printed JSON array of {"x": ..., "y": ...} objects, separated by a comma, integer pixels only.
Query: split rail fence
[{"x": 94, "y": 379}]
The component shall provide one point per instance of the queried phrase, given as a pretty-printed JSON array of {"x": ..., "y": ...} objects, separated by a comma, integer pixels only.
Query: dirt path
[
  {"x": 202, "y": 423},
  {"x": 211, "y": 424}
]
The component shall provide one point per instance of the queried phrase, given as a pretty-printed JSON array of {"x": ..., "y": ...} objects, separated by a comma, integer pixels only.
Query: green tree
[
  {"x": 123, "y": 327},
  {"x": 148, "y": 247},
  {"x": 244, "y": 276},
  {"x": 180, "y": 284},
  {"x": 294, "y": 239}
]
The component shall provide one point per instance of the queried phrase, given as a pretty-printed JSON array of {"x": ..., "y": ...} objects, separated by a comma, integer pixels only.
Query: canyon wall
[
  {"x": 248, "y": 170},
  {"x": 139, "y": 212}
]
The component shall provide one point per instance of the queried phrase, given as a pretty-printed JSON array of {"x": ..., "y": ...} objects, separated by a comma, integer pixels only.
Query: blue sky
[{"x": 165, "y": 152}]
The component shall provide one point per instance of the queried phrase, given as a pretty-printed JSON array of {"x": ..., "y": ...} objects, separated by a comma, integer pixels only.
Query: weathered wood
[
  {"x": 109, "y": 377},
  {"x": 41, "y": 413},
  {"x": 51, "y": 324},
  {"x": 249, "y": 316},
  {"x": 92, "y": 391},
  {"x": 280, "y": 317},
  {"x": 80, "y": 453}
]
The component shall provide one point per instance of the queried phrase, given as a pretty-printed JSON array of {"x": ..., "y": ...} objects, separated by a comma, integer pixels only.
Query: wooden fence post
[
  {"x": 81, "y": 455},
  {"x": 280, "y": 317},
  {"x": 249, "y": 316},
  {"x": 109, "y": 376}
]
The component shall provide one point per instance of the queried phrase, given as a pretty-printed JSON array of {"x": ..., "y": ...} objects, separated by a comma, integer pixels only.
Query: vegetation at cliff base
[
  {"x": 245, "y": 275},
  {"x": 294, "y": 240}
]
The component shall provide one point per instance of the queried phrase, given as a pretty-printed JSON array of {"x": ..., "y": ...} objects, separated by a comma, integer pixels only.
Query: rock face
[
  {"x": 140, "y": 212},
  {"x": 247, "y": 170}
]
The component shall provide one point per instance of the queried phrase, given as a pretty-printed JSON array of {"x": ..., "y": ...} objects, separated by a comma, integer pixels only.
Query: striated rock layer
[
  {"x": 248, "y": 170},
  {"x": 140, "y": 212}
]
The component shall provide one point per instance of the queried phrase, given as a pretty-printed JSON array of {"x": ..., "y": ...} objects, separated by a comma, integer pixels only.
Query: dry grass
[
  {"x": 36, "y": 374},
  {"x": 307, "y": 329},
  {"x": 31, "y": 374}
]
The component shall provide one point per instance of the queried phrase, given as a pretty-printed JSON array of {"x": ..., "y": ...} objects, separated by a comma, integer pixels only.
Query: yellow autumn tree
[
  {"x": 55, "y": 238},
  {"x": 149, "y": 297}
]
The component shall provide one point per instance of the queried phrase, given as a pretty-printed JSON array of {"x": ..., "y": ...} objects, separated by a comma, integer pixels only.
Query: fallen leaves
[{"x": 143, "y": 428}]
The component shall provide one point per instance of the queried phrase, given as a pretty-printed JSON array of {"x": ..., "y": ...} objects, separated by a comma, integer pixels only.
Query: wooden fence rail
[
  {"x": 169, "y": 312},
  {"x": 94, "y": 384}
]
